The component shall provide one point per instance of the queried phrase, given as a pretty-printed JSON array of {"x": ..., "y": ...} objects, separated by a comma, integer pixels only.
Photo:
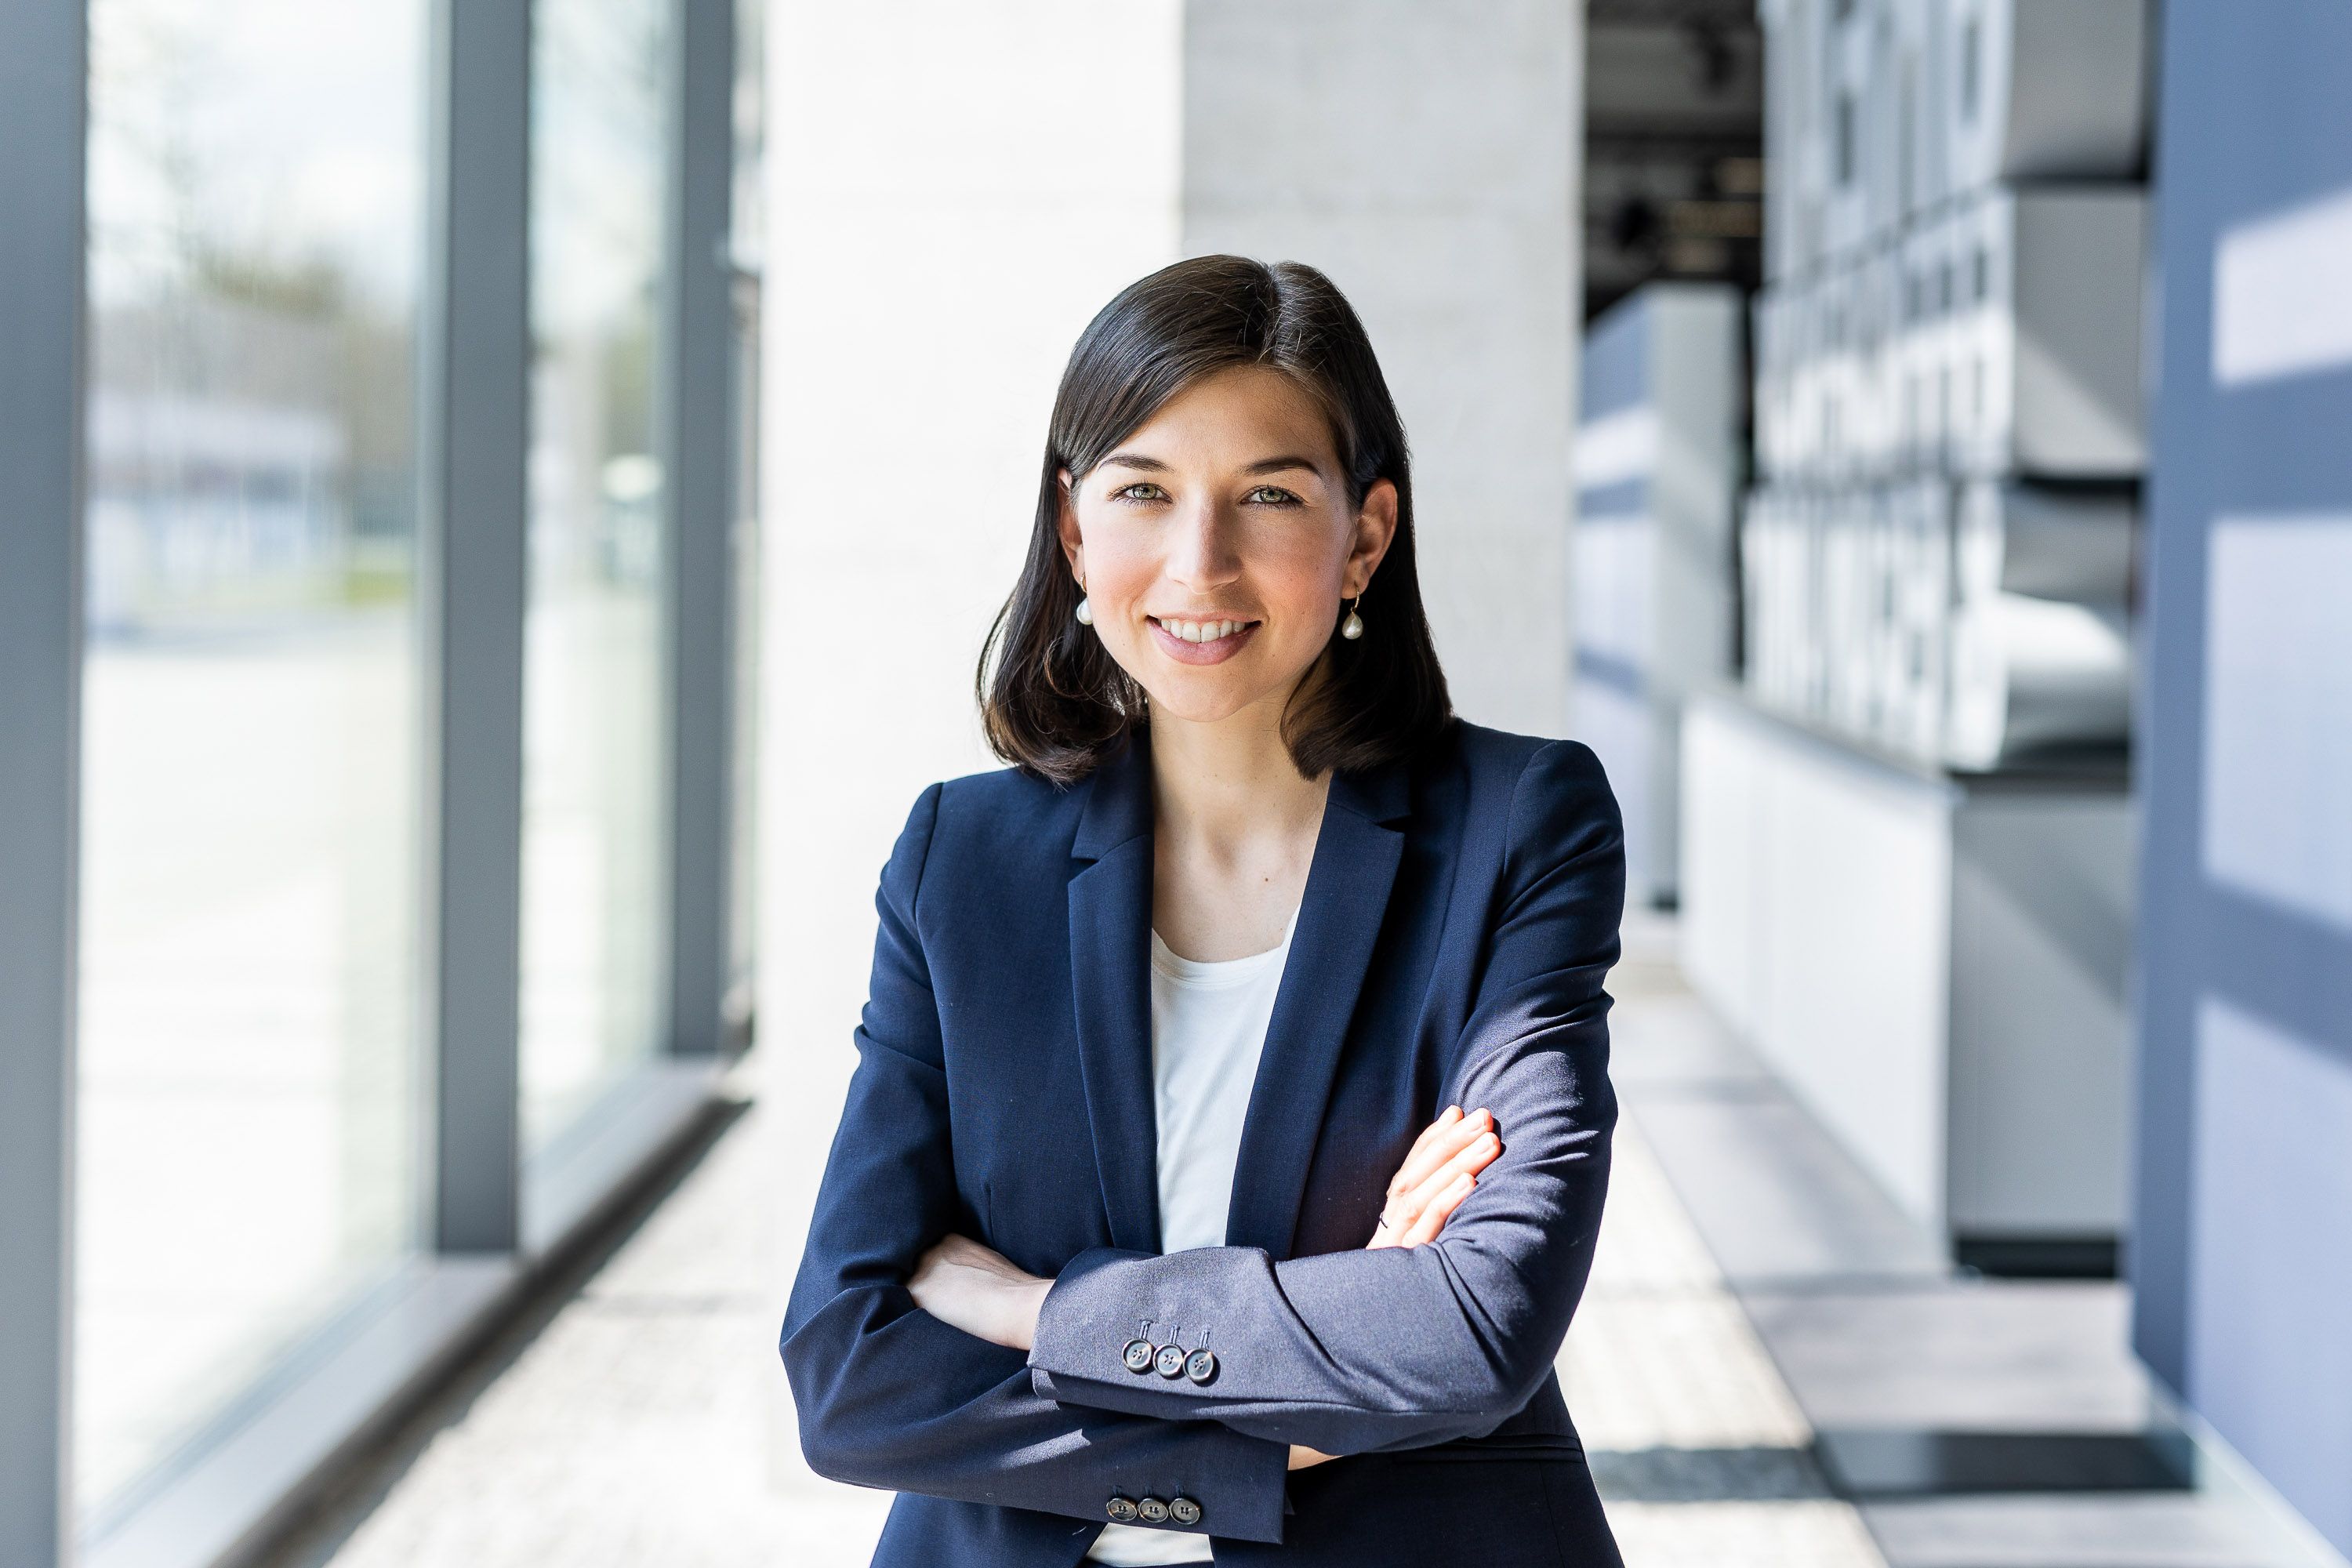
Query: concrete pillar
[
  {"x": 955, "y": 188},
  {"x": 1426, "y": 157}
]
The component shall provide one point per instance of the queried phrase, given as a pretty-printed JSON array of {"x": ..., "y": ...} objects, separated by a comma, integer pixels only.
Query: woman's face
[{"x": 1216, "y": 542}]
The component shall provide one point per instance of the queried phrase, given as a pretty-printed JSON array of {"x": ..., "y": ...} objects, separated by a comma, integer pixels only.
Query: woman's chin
[{"x": 1201, "y": 697}]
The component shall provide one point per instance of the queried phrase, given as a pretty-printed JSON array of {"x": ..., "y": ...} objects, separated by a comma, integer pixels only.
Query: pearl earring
[
  {"x": 1353, "y": 626},
  {"x": 1085, "y": 613}
]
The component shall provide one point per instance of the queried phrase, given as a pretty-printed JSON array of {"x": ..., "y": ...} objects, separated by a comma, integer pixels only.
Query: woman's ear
[
  {"x": 1066, "y": 525},
  {"x": 1376, "y": 523}
]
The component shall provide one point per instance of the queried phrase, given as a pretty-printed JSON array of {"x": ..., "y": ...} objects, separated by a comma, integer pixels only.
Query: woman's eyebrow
[
  {"x": 1137, "y": 460},
  {"x": 1277, "y": 465}
]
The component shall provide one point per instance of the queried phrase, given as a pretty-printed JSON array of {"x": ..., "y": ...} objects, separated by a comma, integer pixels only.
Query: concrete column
[
  {"x": 1426, "y": 157},
  {"x": 954, "y": 190}
]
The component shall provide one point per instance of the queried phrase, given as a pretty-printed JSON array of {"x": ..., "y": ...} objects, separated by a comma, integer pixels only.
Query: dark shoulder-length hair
[{"x": 1053, "y": 702}]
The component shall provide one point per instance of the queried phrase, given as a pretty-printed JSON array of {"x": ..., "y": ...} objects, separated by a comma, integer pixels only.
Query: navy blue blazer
[{"x": 1460, "y": 916}]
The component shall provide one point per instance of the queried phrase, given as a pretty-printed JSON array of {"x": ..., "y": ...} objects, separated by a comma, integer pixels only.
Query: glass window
[
  {"x": 249, "y": 1112},
  {"x": 594, "y": 712}
]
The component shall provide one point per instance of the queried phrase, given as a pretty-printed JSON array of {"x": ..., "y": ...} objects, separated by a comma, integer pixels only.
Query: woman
[{"x": 1143, "y": 1235}]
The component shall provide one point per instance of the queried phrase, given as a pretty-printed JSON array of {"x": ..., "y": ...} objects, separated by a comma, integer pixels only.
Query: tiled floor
[
  {"x": 1879, "y": 1342},
  {"x": 1701, "y": 1451},
  {"x": 1748, "y": 1285}
]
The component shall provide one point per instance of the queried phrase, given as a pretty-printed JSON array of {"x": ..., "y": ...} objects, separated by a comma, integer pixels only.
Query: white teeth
[{"x": 1203, "y": 631}]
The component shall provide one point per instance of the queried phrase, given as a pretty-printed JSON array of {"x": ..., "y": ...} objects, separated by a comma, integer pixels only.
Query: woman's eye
[
  {"x": 1273, "y": 495},
  {"x": 1136, "y": 492}
]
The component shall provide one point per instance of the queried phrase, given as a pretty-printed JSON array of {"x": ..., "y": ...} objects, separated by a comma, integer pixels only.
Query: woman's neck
[
  {"x": 1234, "y": 836},
  {"x": 1222, "y": 785}
]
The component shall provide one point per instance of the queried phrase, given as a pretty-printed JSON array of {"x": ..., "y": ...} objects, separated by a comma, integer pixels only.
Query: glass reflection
[
  {"x": 249, "y": 1114},
  {"x": 592, "y": 911}
]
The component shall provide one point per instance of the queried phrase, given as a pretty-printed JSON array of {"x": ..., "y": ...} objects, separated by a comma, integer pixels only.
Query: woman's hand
[
  {"x": 974, "y": 1288},
  {"x": 977, "y": 1288},
  {"x": 1440, "y": 1171}
]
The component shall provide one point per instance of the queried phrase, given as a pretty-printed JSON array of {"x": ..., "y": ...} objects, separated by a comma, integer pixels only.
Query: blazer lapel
[
  {"x": 1347, "y": 882},
  {"x": 1110, "y": 982}
]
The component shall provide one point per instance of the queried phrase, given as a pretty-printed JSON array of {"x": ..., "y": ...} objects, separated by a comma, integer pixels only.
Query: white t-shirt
[{"x": 1208, "y": 1027}]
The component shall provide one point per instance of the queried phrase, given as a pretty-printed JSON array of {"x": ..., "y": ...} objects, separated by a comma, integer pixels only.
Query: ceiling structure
[{"x": 1674, "y": 160}]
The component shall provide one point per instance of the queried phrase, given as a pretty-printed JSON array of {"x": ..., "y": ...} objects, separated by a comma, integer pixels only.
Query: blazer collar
[
  {"x": 1110, "y": 990},
  {"x": 1380, "y": 795},
  {"x": 1118, "y": 800},
  {"x": 1346, "y": 903},
  {"x": 1357, "y": 851}
]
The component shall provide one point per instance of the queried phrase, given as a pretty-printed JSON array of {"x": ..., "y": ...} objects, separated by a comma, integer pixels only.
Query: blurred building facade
[
  {"x": 1659, "y": 461},
  {"x": 1674, "y": 146},
  {"x": 1927, "y": 758},
  {"x": 2017, "y": 846},
  {"x": 375, "y": 763}
]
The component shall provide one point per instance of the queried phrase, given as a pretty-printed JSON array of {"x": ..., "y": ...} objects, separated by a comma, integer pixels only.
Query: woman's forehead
[{"x": 1250, "y": 417}]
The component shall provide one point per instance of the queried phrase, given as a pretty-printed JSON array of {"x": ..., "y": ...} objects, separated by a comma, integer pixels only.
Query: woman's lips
[{"x": 1216, "y": 652}]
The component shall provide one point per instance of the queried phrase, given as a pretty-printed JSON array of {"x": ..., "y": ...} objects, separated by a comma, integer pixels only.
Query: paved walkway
[{"x": 643, "y": 1426}]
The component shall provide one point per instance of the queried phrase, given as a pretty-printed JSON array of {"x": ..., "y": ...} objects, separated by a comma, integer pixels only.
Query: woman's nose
[{"x": 1201, "y": 551}]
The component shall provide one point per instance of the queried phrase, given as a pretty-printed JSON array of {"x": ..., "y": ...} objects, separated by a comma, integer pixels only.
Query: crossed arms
[{"x": 1342, "y": 1353}]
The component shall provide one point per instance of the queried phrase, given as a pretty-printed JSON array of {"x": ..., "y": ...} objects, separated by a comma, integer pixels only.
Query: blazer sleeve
[
  {"x": 1353, "y": 1351},
  {"x": 889, "y": 1396}
]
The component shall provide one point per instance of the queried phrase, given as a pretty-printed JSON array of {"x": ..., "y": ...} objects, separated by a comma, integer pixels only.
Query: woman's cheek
[{"x": 1117, "y": 583}]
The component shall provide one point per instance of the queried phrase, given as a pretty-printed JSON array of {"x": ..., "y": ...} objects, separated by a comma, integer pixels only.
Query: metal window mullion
[
  {"x": 696, "y": 412},
  {"x": 44, "y": 114},
  {"x": 477, "y": 389}
]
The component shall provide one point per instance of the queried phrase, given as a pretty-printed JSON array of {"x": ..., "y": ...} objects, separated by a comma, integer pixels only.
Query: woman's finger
[
  {"x": 1453, "y": 1143},
  {"x": 1403, "y": 1215},
  {"x": 1447, "y": 1118},
  {"x": 1470, "y": 1157},
  {"x": 1432, "y": 1218},
  {"x": 951, "y": 1252},
  {"x": 1467, "y": 1160},
  {"x": 971, "y": 1253},
  {"x": 923, "y": 1283},
  {"x": 1443, "y": 1141}
]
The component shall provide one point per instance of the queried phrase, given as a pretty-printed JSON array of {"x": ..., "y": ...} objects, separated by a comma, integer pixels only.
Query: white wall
[
  {"x": 1816, "y": 910},
  {"x": 955, "y": 188},
  {"x": 1936, "y": 970},
  {"x": 1426, "y": 157}
]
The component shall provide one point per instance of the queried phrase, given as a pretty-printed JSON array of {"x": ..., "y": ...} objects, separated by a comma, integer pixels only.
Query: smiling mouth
[{"x": 1202, "y": 632}]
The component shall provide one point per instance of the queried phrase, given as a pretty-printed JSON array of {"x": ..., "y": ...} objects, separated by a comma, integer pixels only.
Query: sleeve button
[
  {"x": 1201, "y": 1365},
  {"x": 1184, "y": 1510},
  {"x": 1171, "y": 1361},
  {"x": 1152, "y": 1510},
  {"x": 1138, "y": 1355},
  {"x": 1121, "y": 1509}
]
